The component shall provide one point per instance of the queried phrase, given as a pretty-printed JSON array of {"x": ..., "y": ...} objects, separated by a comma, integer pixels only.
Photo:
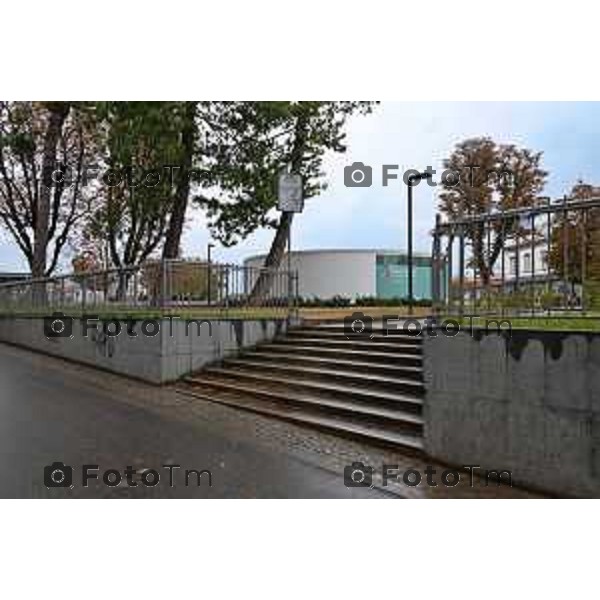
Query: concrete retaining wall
[
  {"x": 177, "y": 349},
  {"x": 529, "y": 403}
]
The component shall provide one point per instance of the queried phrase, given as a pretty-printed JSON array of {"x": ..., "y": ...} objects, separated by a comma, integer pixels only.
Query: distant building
[
  {"x": 522, "y": 266},
  {"x": 352, "y": 273},
  {"x": 8, "y": 277},
  {"x": 529, "y": 262}
]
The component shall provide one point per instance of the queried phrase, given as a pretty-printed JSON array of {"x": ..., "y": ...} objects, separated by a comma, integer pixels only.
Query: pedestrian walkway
[{"x": 54, "y": 410}]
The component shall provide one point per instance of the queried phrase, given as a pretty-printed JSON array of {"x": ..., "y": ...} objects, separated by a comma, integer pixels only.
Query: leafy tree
[
  {"x": 210, "y": 145},
  {"x": 185, "y": 279},
  {"x": 568, "y": 235},
  {"x": 188, "y": 142},
  {"x": 275, "y": 136},
  {"x": 141, "y": 146},
  {"x": 228, "y": 154},
  {"x": 492, "y": 177},
  {"x": 87, "y": 262},
  {"x": 221, "y": 145},
  {"x": 45, "y": 148}
]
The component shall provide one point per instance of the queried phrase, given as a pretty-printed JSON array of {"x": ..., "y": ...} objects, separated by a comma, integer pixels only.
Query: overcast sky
[{"x": 413, "y": 135}]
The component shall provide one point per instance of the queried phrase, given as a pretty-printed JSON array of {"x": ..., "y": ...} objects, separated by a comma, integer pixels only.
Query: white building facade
[{"x": 351, "y": 274}]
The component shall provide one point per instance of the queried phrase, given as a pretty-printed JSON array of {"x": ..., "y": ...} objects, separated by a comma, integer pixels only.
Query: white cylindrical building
[{"x": 349, "y": 273}]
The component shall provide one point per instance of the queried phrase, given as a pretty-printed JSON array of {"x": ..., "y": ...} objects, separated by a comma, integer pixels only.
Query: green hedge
[{"x": 343, "y": 302}]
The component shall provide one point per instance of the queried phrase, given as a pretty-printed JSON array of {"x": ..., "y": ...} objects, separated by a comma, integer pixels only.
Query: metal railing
[
  {"x": 542, "y": 259},
  {"x": 157, "y": 286}
]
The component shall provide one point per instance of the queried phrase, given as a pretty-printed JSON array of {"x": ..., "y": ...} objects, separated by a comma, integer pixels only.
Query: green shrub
[
  {"x": 343, "y": 302},
  {"x": 550, "y": 300}
]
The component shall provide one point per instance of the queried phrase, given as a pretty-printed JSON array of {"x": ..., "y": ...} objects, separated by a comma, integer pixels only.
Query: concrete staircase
[{"x": 368, "y": 387}]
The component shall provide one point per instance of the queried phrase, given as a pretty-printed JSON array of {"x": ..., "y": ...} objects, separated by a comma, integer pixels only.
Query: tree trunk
[
  {"x": 265, "y": 279},
  {"x": 478, "y": 261},
  {"x": 485, "y": 261},
  {"x": 182, "y": 191},
  {"x": 264, "y": 282},
  {"x": 58, "y": 112}
]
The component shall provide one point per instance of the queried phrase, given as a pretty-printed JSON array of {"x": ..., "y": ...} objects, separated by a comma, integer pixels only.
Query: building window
[
  {"x": 527, "y": 262},
  {"x": 513, "y": 265},
  {"x": 544, "y": 258}
]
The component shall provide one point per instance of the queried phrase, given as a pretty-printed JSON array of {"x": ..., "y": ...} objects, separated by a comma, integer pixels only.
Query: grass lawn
[
  {"x": 116, "y": 311},
  {"x": 551, "y": 323},
  {"x": 141, "y": 313},
  {"x": 325, "y": 314},
  {"x": 589, "y": 322}
]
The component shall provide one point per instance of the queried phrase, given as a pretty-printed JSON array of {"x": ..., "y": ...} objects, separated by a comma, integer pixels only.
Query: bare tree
[{"x": 44, "y": 151}]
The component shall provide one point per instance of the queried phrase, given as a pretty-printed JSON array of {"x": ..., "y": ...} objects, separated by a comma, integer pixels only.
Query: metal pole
[
  {"x": 296, "y": 291},
  {"x": 548, "y": 251},
  {"x": 517, "y": 264},
  {"x": 449, "y": 270},
  {"x": 435, "y": 266},
  {"x": 532, "y": 264},
  {"x": 289, "y": 265},
  {"x": 503, "y": 294},
  {"x": 566, "y": 253},
  {"x": 83, "y": 291},
  {"x": 163, "y": 299},
  {"x": 209, "y": 282},
  {"x": 584, "y": 251},
  {"x": 461, "y": 271},
  {"x": 475, "y": 289},
  {"x": 409, "y": 252},
  {"x": 489, "y": 264}
]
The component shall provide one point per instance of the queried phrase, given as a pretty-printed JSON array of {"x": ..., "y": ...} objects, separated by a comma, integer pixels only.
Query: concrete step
[
  {"x": 393, "y": 327},
  {"x": 331, "y": 389},
  {"x": 347, "y": 408},
  {"x": 358, "y": 344},
  {"x": 384, "y": 435},
  {"x": 365, "y": 354},
  {"x": 375, "y": 336},
  {"x": 360, "y": 380},
  {"x": 282, "y": 387},
  {"x": 339, "y": 323},
  {"x": 370, "y": 387},
  {"x": 353, "y": 364}
]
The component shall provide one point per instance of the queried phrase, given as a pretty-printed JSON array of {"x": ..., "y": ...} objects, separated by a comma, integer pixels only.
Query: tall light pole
[
  {"x": 209, "y": 281},
  {"x": 412, "y": 181}
]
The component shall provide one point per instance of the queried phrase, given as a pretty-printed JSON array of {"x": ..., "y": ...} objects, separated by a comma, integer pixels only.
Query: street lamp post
[
  {"x": 209, "y": 281},
  {"x": 412, "y": 181}
]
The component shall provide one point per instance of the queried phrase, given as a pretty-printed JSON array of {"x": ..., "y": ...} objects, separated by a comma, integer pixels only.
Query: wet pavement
[{"x": 52, "y": 410}]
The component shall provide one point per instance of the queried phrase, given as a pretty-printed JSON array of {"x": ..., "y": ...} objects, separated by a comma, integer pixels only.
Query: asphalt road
[{"x": 52, "y": 410}]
